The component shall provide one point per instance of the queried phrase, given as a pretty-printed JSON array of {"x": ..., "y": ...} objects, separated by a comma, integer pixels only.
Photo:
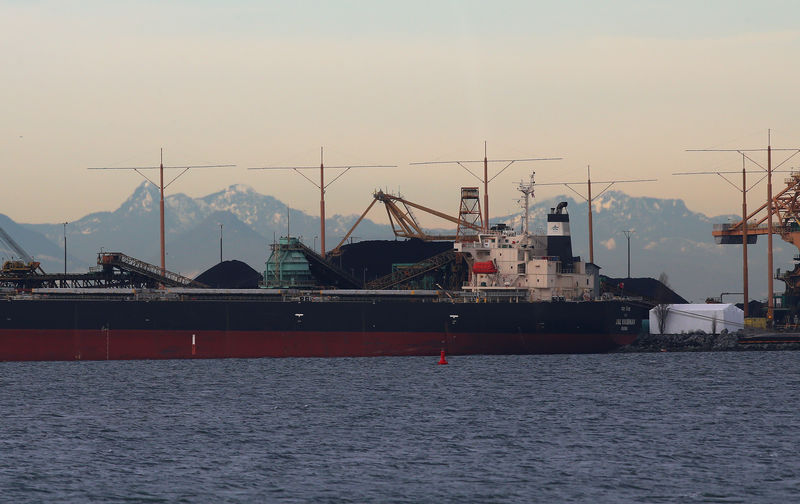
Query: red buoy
[{"x": 442, "y": 360}]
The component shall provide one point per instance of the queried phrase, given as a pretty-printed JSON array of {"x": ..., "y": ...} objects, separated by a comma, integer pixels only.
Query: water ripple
[{"x": 680, "y": 427}]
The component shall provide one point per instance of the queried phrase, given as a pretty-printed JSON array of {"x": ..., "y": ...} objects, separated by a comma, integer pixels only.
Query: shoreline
[{"x": 700, "y": 342}]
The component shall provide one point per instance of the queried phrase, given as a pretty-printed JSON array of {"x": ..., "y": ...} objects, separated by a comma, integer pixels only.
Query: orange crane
[
  {"x": 786, "y": 223},
  {"x": 783, "y": 205},
  {"x": 403, "y": 222}
]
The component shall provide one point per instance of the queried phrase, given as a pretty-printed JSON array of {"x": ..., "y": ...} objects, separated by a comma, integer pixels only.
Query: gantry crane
[{"x": 786, "y": 223}]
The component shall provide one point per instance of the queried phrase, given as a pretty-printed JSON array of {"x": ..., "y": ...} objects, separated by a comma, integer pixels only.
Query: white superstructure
[
  {"x": 541, "y": 267},
  {"x": 503, "y": 260}
]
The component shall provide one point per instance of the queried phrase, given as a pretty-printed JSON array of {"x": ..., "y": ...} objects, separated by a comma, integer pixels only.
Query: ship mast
[{"x": 527, "y": 191}]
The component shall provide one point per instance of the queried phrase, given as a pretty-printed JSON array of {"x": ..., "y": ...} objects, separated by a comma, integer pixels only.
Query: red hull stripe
[{"x": 42, "y": 345}]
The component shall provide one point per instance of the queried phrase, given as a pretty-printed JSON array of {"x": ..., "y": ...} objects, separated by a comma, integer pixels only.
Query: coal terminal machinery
[
  {"x": 113, "y": 270},
  {"x": 523, "y": 294},
  {"x": 785, "y": 209}
]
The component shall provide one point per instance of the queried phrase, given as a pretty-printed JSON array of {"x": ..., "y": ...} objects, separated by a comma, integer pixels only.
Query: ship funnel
[{"x": 559, "y": 242}]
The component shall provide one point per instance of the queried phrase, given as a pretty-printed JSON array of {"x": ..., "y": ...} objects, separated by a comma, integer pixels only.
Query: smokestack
[{"x": 559, "y": 241}]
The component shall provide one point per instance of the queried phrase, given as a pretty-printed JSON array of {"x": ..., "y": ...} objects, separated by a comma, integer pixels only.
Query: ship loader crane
[
  {"x": 16, "y": 267},
  {"x": 405, "y": 225}
]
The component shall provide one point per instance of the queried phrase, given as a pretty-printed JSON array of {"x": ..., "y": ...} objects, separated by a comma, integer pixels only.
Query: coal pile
[
  {"x": 648, "y": 288},
  {"x": 230, "y": 275},
  {"x": 374, "y": 258}
]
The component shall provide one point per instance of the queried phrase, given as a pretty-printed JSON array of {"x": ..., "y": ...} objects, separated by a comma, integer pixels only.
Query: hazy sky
[{"x": 625, "y": 86}]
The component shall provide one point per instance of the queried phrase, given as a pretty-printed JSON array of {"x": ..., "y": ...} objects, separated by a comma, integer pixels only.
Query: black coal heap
[
  {"x": 374, "y": 258},
  {"x": 649, "y": 288},
  {"x": 230, "y": 275}
]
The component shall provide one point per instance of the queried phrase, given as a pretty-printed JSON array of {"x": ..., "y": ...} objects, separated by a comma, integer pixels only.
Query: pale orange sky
[{"x": 626, "y": 88}]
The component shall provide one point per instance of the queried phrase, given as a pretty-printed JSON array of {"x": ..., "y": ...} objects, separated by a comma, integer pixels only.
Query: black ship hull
[{"x": 100, "y": 329}]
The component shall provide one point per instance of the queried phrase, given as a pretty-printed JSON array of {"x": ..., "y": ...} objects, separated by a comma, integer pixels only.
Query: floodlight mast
[
  {"x": 161, "y": 187},
  {"x": 770, "y": 210},
  {"x": 485, "y": 180},
  {"x": 589, "y": 198},
  {"x": 744, "y": 190},
  {"x": 321, "y": 186}
]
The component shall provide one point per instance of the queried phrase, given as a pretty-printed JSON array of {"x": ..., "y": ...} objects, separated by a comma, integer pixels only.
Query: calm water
[{"x": 703, "y": 427}]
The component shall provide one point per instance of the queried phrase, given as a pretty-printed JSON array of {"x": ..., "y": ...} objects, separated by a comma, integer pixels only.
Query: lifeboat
[{"x": 484, "y": 267}]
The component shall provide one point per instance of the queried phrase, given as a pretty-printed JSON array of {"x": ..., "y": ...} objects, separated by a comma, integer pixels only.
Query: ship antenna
[{"x": 527, "y": 190}]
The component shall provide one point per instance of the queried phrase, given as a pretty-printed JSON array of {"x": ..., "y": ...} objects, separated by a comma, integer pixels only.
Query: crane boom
[
  {"x": 403, "y": 222},
  {"x": 27, "y": 266},
  {"x": 6, "y": 238}
]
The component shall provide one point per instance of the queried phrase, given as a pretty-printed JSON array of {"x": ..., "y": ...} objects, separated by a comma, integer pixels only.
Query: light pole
[
  {"x": 628, "y": 233},
  {"x": 220, "y": 242},
  {"x": 65, "y": 247},
  {"x": 314, "y": 248}
]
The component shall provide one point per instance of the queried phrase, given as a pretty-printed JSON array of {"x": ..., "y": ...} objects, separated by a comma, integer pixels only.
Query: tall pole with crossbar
[
  {"x": 322, "y": 186},
  {"x": 485, "y": 180},
  {"x": 161, "y": 186},
  {"x": 769, "y": 205},
  {"x": 589, "y": 199}
]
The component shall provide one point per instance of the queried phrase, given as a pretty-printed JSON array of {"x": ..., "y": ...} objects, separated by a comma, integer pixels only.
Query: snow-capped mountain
[
  {"x": 667, "y": 237},
  {"x": 250, "y": 222}
]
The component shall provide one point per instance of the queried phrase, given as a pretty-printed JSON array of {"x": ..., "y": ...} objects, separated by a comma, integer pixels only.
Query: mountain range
[{"x": 666, "y": 237}]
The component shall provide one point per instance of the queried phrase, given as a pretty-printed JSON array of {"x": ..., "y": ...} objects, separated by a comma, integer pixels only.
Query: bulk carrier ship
[{"x": 526, "y": 294}]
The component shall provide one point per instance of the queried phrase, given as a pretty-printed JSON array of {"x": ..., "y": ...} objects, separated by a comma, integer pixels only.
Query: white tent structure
[{"x": 688, "y": 318}]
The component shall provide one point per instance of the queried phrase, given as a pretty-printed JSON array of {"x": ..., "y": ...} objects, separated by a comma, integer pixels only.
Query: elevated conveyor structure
[
  {"x": 114, "y": 269},
  {"x": 400, "y": 276},
  {"x": 127, "y": 263}
]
